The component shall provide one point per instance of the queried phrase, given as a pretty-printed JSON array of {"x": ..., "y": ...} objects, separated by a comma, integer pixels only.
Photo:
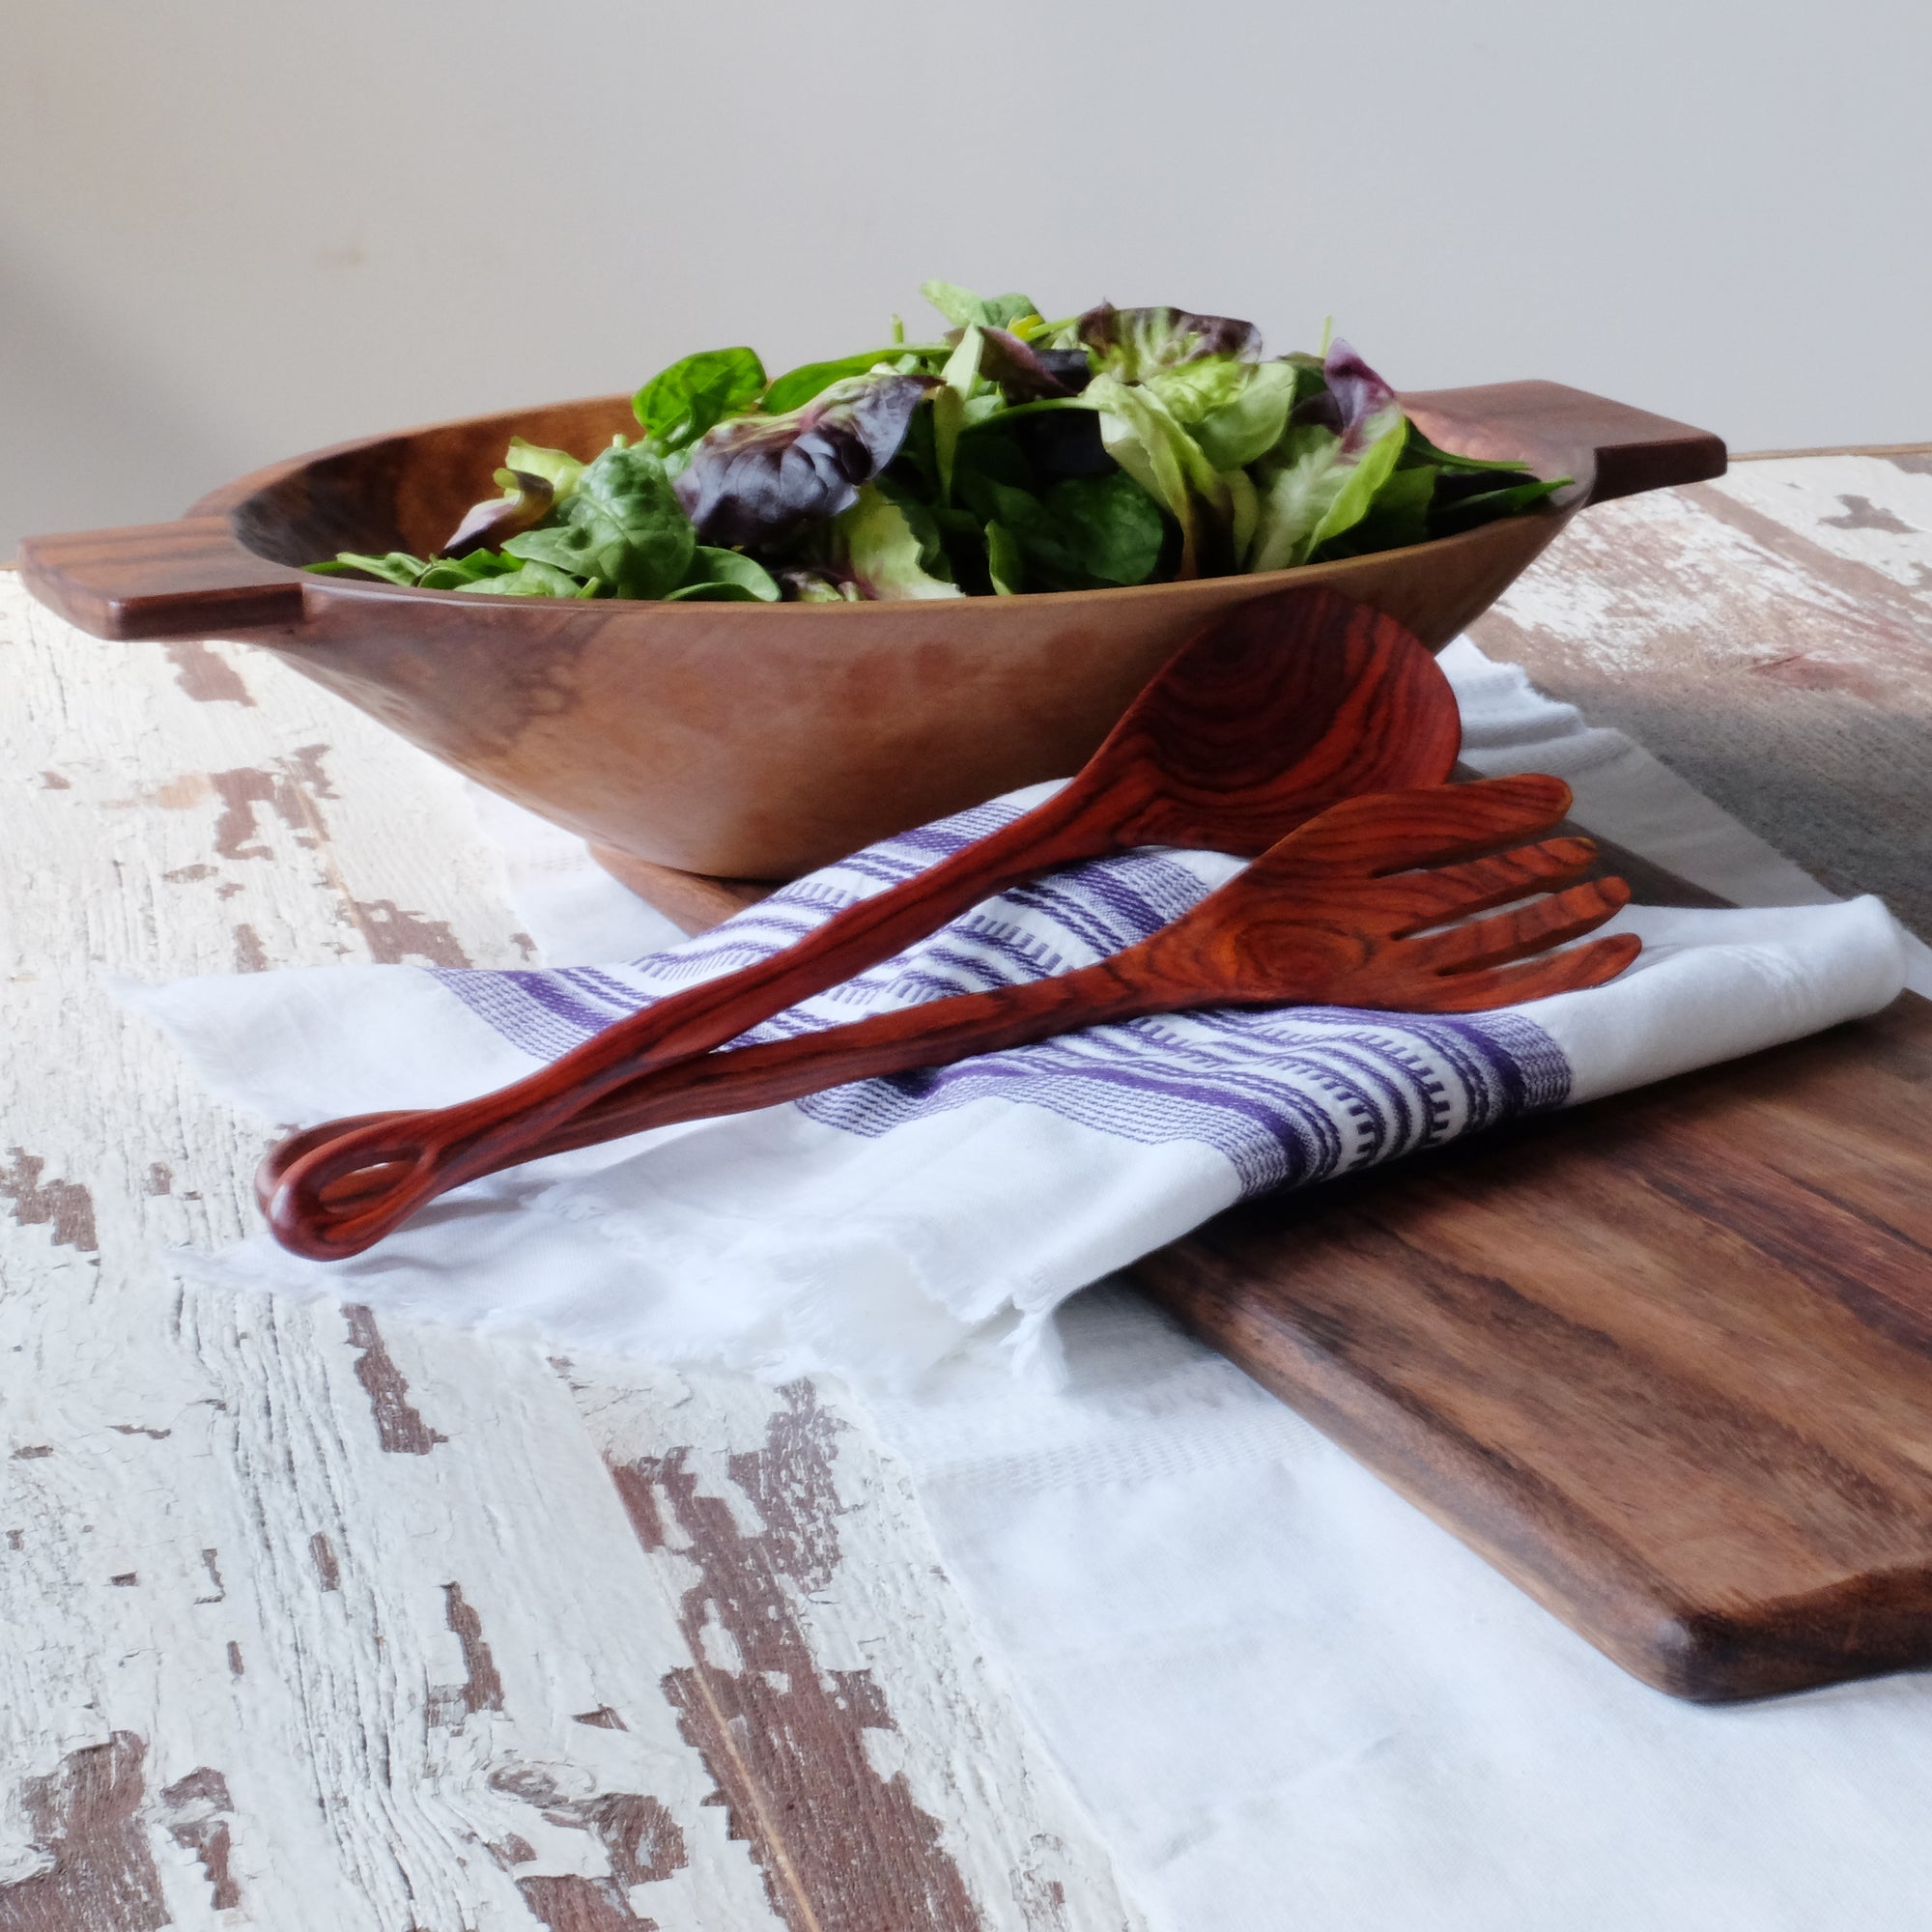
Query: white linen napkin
[
  {"x": 1287, "y": 1699},
  {"x": 872, "y": 1230}
]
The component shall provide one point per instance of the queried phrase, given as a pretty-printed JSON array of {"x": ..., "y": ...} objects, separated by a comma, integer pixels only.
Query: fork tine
[
  {"x": 1397, "y": 830},
  {"x": 1536, "y": 928},
  {"x": 1455, "y": 891},
  {"x": 1563, "y": 972}
]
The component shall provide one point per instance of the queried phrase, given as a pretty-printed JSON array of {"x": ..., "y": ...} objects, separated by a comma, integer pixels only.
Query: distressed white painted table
[{"x": 308, "y": 1623}]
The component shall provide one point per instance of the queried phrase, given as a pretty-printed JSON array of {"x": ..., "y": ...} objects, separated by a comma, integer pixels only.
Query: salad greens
[{"x": 1009, "y": 454}]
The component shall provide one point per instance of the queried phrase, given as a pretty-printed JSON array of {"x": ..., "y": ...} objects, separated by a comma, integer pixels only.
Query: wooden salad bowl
[{"x": 755, "y": 741}]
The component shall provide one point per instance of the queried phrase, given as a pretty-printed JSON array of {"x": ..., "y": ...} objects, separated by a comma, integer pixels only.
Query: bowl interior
[{"x": 408, "y": 491}]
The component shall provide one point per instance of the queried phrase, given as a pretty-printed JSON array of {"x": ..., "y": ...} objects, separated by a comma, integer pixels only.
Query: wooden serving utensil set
[{"x": 1303, "y": 731}]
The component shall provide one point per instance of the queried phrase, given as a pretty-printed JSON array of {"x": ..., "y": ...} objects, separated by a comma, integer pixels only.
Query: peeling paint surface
[{"x": 326, "y": 1625}]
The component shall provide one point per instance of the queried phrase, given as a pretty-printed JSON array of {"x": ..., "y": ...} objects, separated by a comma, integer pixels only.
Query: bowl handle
[
  {"x": 185, "y": 580},
  {"x": 1564, "y": 432}
]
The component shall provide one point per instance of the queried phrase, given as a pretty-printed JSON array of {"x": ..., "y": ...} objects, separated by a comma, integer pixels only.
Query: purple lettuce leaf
[
  {"x": 1027, "y": 375},
  {"x": 1133, "y": 343},
  {"x": 1355, "y": 398},
  {"x": 759, "y": 479}
]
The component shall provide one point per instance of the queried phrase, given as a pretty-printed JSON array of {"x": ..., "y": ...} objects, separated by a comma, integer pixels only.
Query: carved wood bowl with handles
[{"x": 745, "y": 740}]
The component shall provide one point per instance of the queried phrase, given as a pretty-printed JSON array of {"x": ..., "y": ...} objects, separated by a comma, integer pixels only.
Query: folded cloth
[{"x": 874, "y": 1228}]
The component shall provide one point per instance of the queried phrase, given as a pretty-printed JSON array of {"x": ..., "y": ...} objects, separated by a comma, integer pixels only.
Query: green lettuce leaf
[
  {"x": 623, "y": 525},
  {"x": 1141, "y": 435},
  {"x": 1320, "y": 481},
  {"x": 950, "y": 401},
  {"x": 679, "y": 404},
  {"x": 1005, "y": 562},
  {"x": 1313, "y": 489},
  {"x": 1249, "y": 423},
  {"x": 1362, "y": 481},
  {"x": 883, "y": 551},
  {"x": 1398, "y": 514},
  {"x": 557, "y": 467},
  {"x": 963, "y": 309}
]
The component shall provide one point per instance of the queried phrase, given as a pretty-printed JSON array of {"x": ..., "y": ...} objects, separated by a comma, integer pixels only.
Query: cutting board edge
[{"x": 1867, "y": 1624}]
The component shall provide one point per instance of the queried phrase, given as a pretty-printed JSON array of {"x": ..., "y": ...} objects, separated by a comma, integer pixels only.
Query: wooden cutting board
[{"x": 1665, "y": 1360}]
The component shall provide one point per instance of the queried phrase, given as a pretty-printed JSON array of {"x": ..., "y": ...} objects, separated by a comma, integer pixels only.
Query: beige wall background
[{"x": 234, "y": 229}]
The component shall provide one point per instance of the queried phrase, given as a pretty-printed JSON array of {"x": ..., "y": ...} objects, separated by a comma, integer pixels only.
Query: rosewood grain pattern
[
  {"x": 1666, "y": 1360},
  {"x": 746, "y": 741},
  {"x": 1271, "y": 712}
]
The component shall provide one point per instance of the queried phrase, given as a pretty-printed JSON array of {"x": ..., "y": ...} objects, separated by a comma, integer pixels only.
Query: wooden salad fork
[
  {"x": 1263, "y": 718},
  {"x": 1358, "y": 907}
]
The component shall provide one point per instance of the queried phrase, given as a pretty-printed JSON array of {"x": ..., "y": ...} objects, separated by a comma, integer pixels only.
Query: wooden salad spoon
[
  {"x": 1357, "y": 907},
  {"x": 1262, "y": 720}
]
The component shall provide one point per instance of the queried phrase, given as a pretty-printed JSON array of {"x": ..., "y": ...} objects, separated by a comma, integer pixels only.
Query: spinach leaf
[
  {"x": 398, "y": 566},
  {"x": 1082, "y": 535},
  {"x": 1111, "y": 525},
  {"x": 458, "y": 573},
  {"x": 679, "y": 404},
  {"x": 797, "y": 386},
  {"x": 963, "y": 309},
  {"x": 623, "y": 525},
  {"x": 725, "y": 577},
  {"x": 761, "y": 479},
  {"x": 1464, "y": 513},
  {"x": 529, "y": 580},
  {"x": 1449, "y": 459}
]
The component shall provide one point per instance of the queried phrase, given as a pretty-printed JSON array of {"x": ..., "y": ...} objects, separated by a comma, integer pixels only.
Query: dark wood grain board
[{"x": 1665, "y": 1360}]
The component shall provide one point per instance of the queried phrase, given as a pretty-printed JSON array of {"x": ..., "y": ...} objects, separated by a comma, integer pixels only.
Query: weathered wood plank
[
  {"x": 1770, "y": 636},
  {"x": 317, "y": 1622}
]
